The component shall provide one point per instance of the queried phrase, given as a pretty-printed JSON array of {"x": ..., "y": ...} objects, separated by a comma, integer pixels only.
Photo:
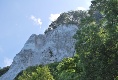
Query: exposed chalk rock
[{"x": 44, "y": 49}]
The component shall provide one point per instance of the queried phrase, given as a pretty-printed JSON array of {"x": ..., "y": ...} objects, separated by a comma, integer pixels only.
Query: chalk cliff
[{"x": 43, "y": 49}]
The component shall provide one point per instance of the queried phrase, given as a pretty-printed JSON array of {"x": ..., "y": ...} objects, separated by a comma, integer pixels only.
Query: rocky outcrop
[{"x": 43, "y": 49}]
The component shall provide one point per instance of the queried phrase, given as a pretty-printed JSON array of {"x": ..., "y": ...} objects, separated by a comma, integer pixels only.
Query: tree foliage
[
  {"x": 4, "y": 70},
  {"x": 35, "y": 73},
  {"x": 97, "y": 43},
  {"x": 71, "y": 17}
]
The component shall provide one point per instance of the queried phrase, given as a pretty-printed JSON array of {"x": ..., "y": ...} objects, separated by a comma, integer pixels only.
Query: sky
[{"x": 19, "y": 19}]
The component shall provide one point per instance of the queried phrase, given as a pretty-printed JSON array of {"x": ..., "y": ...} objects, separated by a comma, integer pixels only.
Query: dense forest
[{"x": 96, "y": 55}]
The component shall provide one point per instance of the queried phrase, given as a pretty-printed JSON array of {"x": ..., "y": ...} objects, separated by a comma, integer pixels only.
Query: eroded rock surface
[{"x": 44, "y": 49}]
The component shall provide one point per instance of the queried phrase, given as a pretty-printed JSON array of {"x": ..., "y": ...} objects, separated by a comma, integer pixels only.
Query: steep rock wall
[{"x": 44, "y": 49}]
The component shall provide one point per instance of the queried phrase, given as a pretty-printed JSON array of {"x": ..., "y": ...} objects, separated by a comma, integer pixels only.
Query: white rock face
[{"x": 44, "y": 49}]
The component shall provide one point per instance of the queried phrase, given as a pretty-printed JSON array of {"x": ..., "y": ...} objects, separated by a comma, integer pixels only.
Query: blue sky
[{"x": 21, "y": 18}]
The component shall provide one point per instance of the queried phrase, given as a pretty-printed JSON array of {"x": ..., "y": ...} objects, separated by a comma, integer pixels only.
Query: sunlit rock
[{"x": 43, "y": 49}]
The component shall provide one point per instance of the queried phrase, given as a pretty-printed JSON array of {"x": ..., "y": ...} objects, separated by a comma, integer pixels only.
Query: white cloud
[
  {"x": 81, "y": 8},
  {"x": 36, "y": 20},
  {"x": 53, "y": 17},
  {"x": 88, "y": 2},
  {"x": 86, "y": 6},
  {"x": 7, "y": 61}
]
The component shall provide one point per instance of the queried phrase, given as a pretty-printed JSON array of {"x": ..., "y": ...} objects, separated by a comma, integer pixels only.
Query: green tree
[
  {"x": 4, "y": 70},
  {"x": 97, "y": 44},
  {"x": 68, "y": 69},
  {"x": 36, "y": 73}
]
